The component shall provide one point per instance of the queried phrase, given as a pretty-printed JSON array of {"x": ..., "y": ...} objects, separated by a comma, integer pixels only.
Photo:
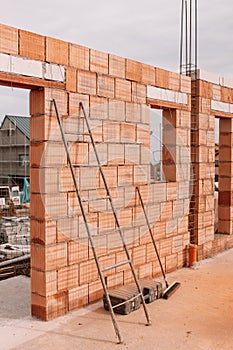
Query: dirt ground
[{"x": 199, "y": 316}]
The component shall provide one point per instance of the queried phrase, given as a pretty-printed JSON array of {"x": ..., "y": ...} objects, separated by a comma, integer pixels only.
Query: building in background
[{"x": 14, "y": 150}]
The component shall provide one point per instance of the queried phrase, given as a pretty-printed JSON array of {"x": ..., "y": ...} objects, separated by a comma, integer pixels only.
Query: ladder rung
[
  {"x": 126, "y": 301},
  {"x": 95, "y": 199},
  {"x": 116, "y": 265}
]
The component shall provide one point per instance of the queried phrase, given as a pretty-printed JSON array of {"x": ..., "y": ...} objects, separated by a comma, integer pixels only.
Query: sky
[{"x": 147, "y": 31}]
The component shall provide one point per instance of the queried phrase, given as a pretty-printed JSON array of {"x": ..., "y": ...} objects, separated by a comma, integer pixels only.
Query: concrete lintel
[
  {"x": 166, "y": 95},
  {"x": 31, "y": 68},
  {"x": 221, "y": 106}
]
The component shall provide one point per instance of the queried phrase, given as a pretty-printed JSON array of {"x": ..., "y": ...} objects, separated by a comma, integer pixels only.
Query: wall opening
[
  {"x": 14, "y": 173},
  {"x": 156, "y": 144}
]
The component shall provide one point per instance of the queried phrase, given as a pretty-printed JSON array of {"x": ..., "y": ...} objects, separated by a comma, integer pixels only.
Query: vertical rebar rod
[
  {"x": 196, "y": 39},
  {"x": 186, "y": 36},
  {"x": 181, "y": 36},
  {"x": 190, "y": 36}
]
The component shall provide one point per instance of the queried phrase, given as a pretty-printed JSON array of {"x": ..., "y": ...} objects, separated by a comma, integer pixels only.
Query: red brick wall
[{"x": 114, "y": 91}]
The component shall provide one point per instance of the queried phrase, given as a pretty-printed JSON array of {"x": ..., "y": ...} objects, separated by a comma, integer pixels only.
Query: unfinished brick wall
[
  {"x": 118, "y": 95},
  {"x": 212, "y": 96}
]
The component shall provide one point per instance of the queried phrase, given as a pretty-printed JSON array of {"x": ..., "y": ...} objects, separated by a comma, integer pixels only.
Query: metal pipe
[
  {"x": 181, "y": 36},
  {"x": 12, "y": 261}
]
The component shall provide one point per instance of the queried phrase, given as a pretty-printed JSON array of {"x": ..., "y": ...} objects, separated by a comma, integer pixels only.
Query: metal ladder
[{"x": 101, "y": 270}]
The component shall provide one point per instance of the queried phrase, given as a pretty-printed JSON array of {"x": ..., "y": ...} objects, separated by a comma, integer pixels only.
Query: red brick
[
  {"x": 50, "y": 307},
  {"x": 132, "y": 154},
  {"x": 36, "y": 153},
  {"x": 116, "y": 280},
  {"x": 185, "y": 84},
  {"x": 125, "y": 217},
  {"x": 133, "y": 70},
  {"x": 165, "y": 247},
  {"x": 162, "y": 78},
  {"x": 86, "y": 82},
  {"x": 174, "y": 81},
  {"x": 110, "y": 173},
  {"x": 148, "y": 74},
  {"x": 56, "y": 256},
  {"x": 79, "y": 153},
  {"x": 117, "y": 66},
  {"x": 128, "y": 133},
  {"x": 139, "y": 255},
  {"x": 32, "y": 45},
  {"x": 125, "y": 175},
  {"x": 145, "y": 270},
  {"x": 141, "y": 174},
  {"x": 89, "y": 178},
  {"x": 111, "y": 131},
  {"x": 8, "y": 40},
  {"x": 98, "y": 107},
  {"x": 67, "y": 227},
  {"x": 133, "y": 112},
  {"x": 171, "y": 262},
  {"x": 45, "y": 180},
  {"x": 77, "y": 251},
  {"x": 43, "y": 283},
  {"x": 143, "y": 135},
  {"x": 37, "y": 209},
  {"x": 88, "y": 272},
  {"x": 98, "y": 61},
  {"x": 67, "y": 277},
  {"x": 116, "y": 154},
  {"x": 78, "y": 297},
  {"x": 95, "y": 291},
  {"x": 216, "y": 92},
  {"x": 123, "y": 90},
  {"x": 56, "y": 51},
  {"x": 79, "y": 56},
  {"x": 107, "y": 261},
  {"x": 138, "y": 93},
  {"x": 54, "y": 155},
  {"x": 42, "y": 231},
  {"x": 74, "y": 107},
  {"x": 116, "y": 110},
  {"x": 71, "y": 79},
  {"x": 106, "y": 222},
  {"x": 105, "y": 86}
]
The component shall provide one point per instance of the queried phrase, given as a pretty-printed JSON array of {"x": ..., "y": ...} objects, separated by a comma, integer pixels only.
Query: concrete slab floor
[{"x": 199, "y": 316}]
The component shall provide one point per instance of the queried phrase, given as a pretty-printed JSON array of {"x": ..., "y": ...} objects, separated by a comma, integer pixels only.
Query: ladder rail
[
  {"x": 151, "y": 234},
  {"x": 115, "y": 214}
]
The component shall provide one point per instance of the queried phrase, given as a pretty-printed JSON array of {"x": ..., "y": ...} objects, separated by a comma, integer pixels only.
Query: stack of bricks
[{"x": 114, "y": 93}]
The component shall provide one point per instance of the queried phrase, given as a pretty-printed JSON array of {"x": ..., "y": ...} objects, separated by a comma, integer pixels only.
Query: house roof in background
[{"x": 22, "y": 123}]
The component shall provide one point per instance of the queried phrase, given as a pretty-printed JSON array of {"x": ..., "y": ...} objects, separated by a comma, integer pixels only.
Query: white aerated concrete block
[
  {"x": 31, "y": 68},
  {"x": 207, "y": 76},
  {"x": 166, "y": 95},
  {"x": 227, "y": 82},
  {"x": 221, "y": 106},
  {"x": 54, "y": 72},
  {"x": 27, "y": 67},
  {"x": 5, "y": 63}
]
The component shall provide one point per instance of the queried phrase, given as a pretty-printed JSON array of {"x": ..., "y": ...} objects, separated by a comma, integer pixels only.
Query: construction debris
[{"x": 14, "y": 237}]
